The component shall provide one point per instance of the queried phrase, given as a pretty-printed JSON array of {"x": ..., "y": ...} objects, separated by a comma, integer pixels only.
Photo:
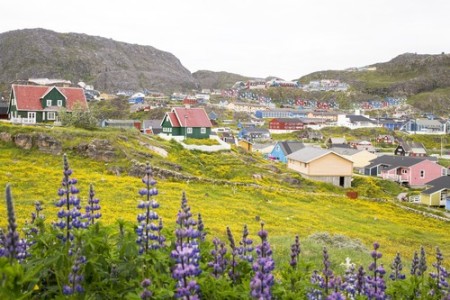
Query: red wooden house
[{"x": 286, "y": 124}]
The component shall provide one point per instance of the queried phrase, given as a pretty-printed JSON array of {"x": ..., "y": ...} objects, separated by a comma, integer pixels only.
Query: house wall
[
  {"x": 361, "y": 159},
  {"x": 334, "y": 180},
  {"x": 53, "y": 95},
  {"x": 330, "y": 165},
  {"x": 432, "y": 171},
  {"x": 431, "y": 200},
  {"x": 278, "y": 153}
]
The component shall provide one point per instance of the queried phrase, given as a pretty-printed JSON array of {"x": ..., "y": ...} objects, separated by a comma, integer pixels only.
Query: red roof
[
  {"x": 28, "y": 97},
  {"x": 191, "y": 117},
  {"x": 173, "y": 119}
]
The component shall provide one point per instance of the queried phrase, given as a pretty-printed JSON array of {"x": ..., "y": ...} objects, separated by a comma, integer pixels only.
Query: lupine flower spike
[
  {"x": 397, "y": 268},
  {"x": 234, "y": 252},
  {"x": 263, "y": 279},
  {"x": 376, "y": 286},
  {"x": 295, "y": 252},
  {"x": 69, "y": 215},
  {"x": 93, "y": 207},
  {"x": 146, "y": 293},
  {"x": 186, "y": 254},
  {"x": 441, "y": 274},
  {"x": 219, "y": 262},
  {"x": 149, "y": 233},
  {"x": 75, "y": 276},
  {"x": 246, "y": 246},
  {"x": 13, "y": 247}
]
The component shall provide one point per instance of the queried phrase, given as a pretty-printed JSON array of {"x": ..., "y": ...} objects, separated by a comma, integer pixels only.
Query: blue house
[{"x": 283, "y": 149}]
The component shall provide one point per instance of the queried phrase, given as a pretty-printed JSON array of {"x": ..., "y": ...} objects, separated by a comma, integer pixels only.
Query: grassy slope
[{"x": 285, "y": 210}]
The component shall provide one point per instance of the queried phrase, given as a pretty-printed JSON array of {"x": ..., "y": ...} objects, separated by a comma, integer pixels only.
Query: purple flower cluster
[
  {"x": 69, "y": 215},
  {"x": 232, "y": 273},
  {"x": 11, "y": 245},
  {"x": 375, "y": 286},
  {"x": 441, "y": 274},
  {"x": 75, "y": 276},
  {"x": 201, "y": 228},
  {"x": 149, "y": 232},
  {"x": 295, "y": 252},
  {"x": 263, "y": 279},
  {"x": 93, "y": 207},
  {"x": 219, "y": 263},
  {"x": 186, "y": 254},
  {"x": 397, "y": 268},
  {"x": 325, "y": 281},
  {"x": 246, "y": 246},
  {"x": 146, "y": 293}
]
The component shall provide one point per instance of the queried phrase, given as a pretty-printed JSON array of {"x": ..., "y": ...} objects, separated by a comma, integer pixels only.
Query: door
[{"x": 32, "y": 116}]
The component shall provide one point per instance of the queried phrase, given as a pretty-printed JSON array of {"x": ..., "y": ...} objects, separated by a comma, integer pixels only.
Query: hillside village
[{"x": 306, "y": 151}]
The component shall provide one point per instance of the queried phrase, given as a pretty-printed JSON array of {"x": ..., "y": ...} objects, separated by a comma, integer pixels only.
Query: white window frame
[
  {"x": 49, "y": 102},
  {"x": 31, "y": 115},
  {"x": 189, "y": 130},
  {"x": 51, "y": 115},
  {"x": 203, "y": 130},
  {"x": 59, "y": 102}
]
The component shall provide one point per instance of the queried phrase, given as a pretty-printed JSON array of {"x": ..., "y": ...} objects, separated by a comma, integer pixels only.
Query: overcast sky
[{"x": 255, "y": 38}]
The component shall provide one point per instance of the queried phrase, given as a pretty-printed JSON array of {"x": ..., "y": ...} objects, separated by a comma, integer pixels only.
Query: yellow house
[
  {"x": 322, "y": 165},
  {"x": 360, "y": 158},
  {"x": 437, "y": 193},
  {"x": 246, "y": 145}
]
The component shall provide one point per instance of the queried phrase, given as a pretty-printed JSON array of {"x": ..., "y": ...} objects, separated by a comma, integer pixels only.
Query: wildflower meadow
[{"x": 73, "y": 255}]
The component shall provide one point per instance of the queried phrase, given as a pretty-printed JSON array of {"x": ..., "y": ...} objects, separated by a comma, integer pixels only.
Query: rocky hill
[
  {"x": 107, "y": 64},
  {"x": 405, "y": 75},
  {"x": 217, "y": 80}
]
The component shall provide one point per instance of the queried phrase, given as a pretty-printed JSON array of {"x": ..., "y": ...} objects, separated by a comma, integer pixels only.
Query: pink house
[{"x": 412, "y": 171}]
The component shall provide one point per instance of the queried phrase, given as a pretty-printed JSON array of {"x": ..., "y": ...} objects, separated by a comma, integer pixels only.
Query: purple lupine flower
[
  {"x": 263, "y": 279},
  {"x": 146, "y": 293},
  {"x": 422, "y": 262},
  {"x": 201, "y": 228},
  {"x": 295, "y": 252},
  {"x": 219, "y": 263},
  {"x": 69, "y": 215},
  {"x": 149, "y": 233},
  {"x": 75, "y": 276},
  {"x": 415, "y": 264},
  {"x": 186, "y": 254},
  {"x": 232, "y": 273},
  {"x": 360, "y": 281},
  {"x": 93, "y": 207},
  {"x": 14, "y": 247},
  {"x": 246, "y": 246},
  {"x": 336, "y": 296},
  {"x": 324, "y": 281},
  {"x": 350, "y": 281},
  {"x": 397, "y": 268},
  {"x": 375, "y": 286},
  {"x": 441, "y": 274}
]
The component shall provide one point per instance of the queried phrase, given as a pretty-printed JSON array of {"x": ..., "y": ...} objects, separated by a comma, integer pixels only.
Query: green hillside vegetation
[{"x": 222, "y": 188}]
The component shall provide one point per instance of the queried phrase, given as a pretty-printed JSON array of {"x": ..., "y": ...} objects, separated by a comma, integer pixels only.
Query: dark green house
[
  {"x": 37, "y": 103},
  {"x": 187, "y": 122}
]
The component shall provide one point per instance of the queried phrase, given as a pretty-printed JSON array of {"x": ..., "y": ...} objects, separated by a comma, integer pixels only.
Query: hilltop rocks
[
  {"x": 98, "y": 149},
  {"x": 24, "y": 141},
  {"x": 48, "y": 144},
  {"x": 5, "y": 137}
]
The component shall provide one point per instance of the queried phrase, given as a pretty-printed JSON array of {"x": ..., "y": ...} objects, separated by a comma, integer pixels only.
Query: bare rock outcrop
[
  {"x": 24, "y": 141},
  {"x": 48, "y": 144}
]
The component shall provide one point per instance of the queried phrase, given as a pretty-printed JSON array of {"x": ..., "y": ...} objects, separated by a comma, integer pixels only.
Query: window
[
  {"x": 49, "y": 102},
  {"x": 51, "y": 115},
  {"x": 59, "y": 102},
  {"x": 444, "y": 172},
  {"x": 189, "y": 130},
  {"x": 422, "y": 173},
  {"x": 203, "y": 130},
  {"x": 404, "y": 171}
]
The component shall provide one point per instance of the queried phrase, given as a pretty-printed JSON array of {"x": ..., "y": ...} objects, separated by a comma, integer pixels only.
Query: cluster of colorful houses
[{"x": 408, "y": 165}]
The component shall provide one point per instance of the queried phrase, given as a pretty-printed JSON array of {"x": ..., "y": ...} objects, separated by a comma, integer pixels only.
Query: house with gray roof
[
  {"x": 437, "y": 192},
  {"x": 407, "y": 170},
  {"x": 410, "y": 148},
  {"x": 424, "y": 126},
  {"x": 322, "y": 165},
  {"x": 282, "y": 149}
]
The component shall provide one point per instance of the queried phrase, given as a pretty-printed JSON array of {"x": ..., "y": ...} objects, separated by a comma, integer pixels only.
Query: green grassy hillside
[{"x": 224, "y": 192}]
